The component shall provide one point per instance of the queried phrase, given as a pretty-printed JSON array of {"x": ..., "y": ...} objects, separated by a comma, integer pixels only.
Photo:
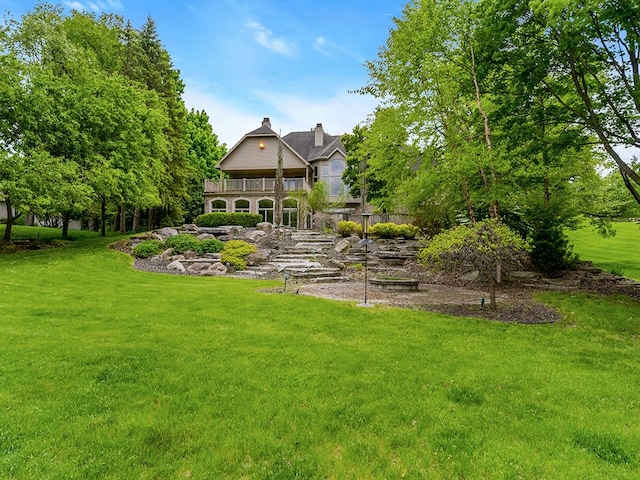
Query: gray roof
[
  {"x": 262, "y": 132},
  {"x": 304, "y": 144}
]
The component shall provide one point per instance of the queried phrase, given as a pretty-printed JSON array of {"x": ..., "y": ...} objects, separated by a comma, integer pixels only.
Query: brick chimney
[
  {"x": 319, "y": 135},
  {"x": 266, "y": 122}
]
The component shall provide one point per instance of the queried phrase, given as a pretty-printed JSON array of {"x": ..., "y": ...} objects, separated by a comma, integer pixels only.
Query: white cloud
[
  {"x": 95, "y": 6},
  {"x": 265, "y": 37},
  {"x": 330, "y": 49}
]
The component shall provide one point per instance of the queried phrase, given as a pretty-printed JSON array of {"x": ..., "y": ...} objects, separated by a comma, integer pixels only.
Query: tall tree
[{"x": 203, "y": 151}]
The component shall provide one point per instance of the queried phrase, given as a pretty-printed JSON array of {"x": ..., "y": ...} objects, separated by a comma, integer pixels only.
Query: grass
[
  {"x": 619, "y": 254},
  {"x": 112, "y": 373}
]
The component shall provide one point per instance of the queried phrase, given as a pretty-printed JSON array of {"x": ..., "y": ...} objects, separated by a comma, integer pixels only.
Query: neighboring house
[{"x": 250, "y": 171}]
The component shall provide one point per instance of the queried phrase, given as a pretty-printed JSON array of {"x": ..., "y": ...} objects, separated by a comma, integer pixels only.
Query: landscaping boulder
[
  {"x": 198, "y": 267},
  {"x": 205, "y": 236},
  {"x": 266, "y": 227},
  {"x": 471, "y": 276},
  {"x": 190, "y": 227},
  {"x": 190, "y": 254},
  {"x": 333, "y": 263},
  {"x": 268, "y": 242},
  {"x": 167, "y": 232},
  {"x": 257, "y": 258},
  {"x": 217, "y": 269},
  {"x": 254, "y": 235},
  {"x": 342, "y": 246},
  {"x": 176, "y": 266},
  {"x": 167, "y": 254}
]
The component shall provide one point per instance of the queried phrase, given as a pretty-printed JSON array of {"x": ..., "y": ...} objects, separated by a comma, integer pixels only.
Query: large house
[{"x": 249, "y": 170}]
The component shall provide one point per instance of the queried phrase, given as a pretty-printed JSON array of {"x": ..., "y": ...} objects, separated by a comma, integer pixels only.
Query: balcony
[{"x": 235, "y": 185}]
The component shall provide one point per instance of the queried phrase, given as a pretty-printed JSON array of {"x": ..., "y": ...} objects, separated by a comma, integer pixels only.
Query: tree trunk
[
  {"x": 30, "y": 221},
  {"x": 279, "y": 187},
  {"x": 103, "y": 218},
  {"x": 136, "y": 220},
  {"x": 123, "y": 219},
  {"x": 467, "y": 198},
  {"x": 9, "y": 225},
  {"x": 66, "y": 218}
]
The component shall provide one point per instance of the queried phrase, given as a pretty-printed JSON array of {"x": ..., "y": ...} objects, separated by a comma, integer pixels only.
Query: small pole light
[{"x": 286, "y": 277}]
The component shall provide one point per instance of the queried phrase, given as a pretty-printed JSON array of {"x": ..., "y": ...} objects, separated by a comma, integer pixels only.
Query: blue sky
[{"x": 294, "y": 61}]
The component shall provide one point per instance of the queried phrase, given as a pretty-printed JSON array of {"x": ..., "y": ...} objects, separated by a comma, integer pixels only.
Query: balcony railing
[{"x": 254, "y": 185}]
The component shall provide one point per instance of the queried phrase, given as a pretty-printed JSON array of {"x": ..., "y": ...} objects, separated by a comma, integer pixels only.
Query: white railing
[{"x": 254, "y": 185}]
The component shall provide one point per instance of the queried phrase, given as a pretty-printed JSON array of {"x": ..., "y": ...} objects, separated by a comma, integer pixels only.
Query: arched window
[
  {"x": 241, "y": 206},
  {"x": 265, "y": 208},
  {"x": 218, "y": 205},
  {"x": 336, "y": 185}
]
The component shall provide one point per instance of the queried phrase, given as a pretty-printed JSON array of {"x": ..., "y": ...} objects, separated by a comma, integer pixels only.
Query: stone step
[
  {"x": 294, "y": 257},
  {"x": 341, "y": 278},
  {"x": 314, "y": 272},
  {"x": 296, "y": 265}
]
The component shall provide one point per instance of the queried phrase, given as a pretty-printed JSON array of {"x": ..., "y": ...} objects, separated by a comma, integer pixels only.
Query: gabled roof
[
  {"x": 261, "y": 132},
  {"x": 304, "y": 143}
]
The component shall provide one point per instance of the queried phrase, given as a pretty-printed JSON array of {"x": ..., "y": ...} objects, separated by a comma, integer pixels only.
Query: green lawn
[
  {"x": 619, "y": 254},
  {"x": 110, "y": 373}
]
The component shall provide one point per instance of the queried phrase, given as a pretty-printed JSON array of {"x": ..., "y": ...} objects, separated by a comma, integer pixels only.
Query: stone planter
[{"x": 395, "y": 284}]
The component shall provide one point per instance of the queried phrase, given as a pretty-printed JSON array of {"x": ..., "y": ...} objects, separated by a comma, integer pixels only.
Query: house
[{"x": 249, "y": 170}]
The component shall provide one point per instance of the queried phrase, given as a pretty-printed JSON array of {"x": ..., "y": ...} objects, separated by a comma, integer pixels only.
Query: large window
[
  {"x": 336, "y": 185},
  {"x": 290, "y": 212},
  {"x": 241, "y": 206},
  {"x": 265, "y": 208},
  {"x": 218, "y": 205}
]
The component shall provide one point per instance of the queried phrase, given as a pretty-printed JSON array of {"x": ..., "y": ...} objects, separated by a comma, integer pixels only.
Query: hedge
[
  {"x": 393, "y": 230},
  {"x": 218, "y": 219}
]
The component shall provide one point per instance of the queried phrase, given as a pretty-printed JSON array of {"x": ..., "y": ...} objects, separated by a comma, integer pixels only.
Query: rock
[
  {"x": 268, "y": 242},
  {"x": 167, "y": 254},
  {"x": 471, "y": 276},
  {"x": 254, "y": 235},
  {"x": 190, "y": 227},
  {"x": 176, "y": 266},
  {"x": 234, "y": 230},
  {"x": 167, "y": 232},
  {"x": 190, "y": 254},
  {"x": 257, "y": 258},
  {"x": 522, "y": 274},
  {"x": 217, "y": 269},
  {"x": 342, "y": 246},
  {"x": 198, "y": 267},
  {"x": 266, "y": 227},
  {"x": 155, "y": 236},
  {"x": 205, "y": 236},
  {"x": 179, "y": 258},
  {"x": 335, "y": 264}
]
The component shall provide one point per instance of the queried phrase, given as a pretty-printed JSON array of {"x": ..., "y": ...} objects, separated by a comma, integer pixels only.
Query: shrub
[
  {"x": 211, "y": 245},
  {"x": 348, "y": 228},
  {"x": 408, "y": 231},
  {"x": 384, "y": 230},
  {"x": 183, "y": 242},
  {"x": 235, "y": 253},
  {"x": 217, "y": 219},
  {"x": 550, "y": 250},
  {"x": 147, "y": 248}
]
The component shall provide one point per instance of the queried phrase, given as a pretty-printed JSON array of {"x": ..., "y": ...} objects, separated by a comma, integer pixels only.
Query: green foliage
[
  {"x": 148, "y": 248},
  {"x": 550, "y": 250},
  {"x": 347, "y": 228},
  {"x": 211, "y": 245},
  {"x": 235, "y": 253},
  {"x": 218, "y": 219},
  {"x": 394, "y": 230},
  {"x": 183, "y": 242}
]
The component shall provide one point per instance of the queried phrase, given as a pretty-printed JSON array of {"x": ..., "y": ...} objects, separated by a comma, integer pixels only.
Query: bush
[
  {"x": 218, "y": 219},
  {"x": 384, "y": 230},
  {"x": 148, "y": 248},
  {"x": 183, "y": 242},
  {"x": 408, "y": 231},
  {"x": 348, "y": 228},
  {"x": 211, "y": 245},
  {"x": 550, "y": 250},
  {"x": 235, "y": 253}
]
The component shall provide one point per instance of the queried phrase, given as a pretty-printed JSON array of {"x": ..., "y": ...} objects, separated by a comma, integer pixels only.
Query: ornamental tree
[{"x": 488, "y": 246}]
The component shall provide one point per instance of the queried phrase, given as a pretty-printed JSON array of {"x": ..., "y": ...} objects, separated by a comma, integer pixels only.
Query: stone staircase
[{"x": 304, "y": 258}]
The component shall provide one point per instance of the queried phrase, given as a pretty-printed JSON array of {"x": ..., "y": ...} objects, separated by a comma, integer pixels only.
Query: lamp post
[{"x": 366, "y": 242}]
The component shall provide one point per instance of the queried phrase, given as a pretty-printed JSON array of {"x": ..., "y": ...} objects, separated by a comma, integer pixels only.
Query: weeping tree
[{"x": 489, "y": 246}]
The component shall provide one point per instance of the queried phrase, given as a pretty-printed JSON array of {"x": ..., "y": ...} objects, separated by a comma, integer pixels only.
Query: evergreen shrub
[
  {"x": 347, "y": 228},
  {"x": 148, "y": 248},
  {"x": 211, "y": 245},
  {"x": 235, "y": 253},
  {"x": 218, "y": 219},
  {"x": 183, "y": 242}
]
